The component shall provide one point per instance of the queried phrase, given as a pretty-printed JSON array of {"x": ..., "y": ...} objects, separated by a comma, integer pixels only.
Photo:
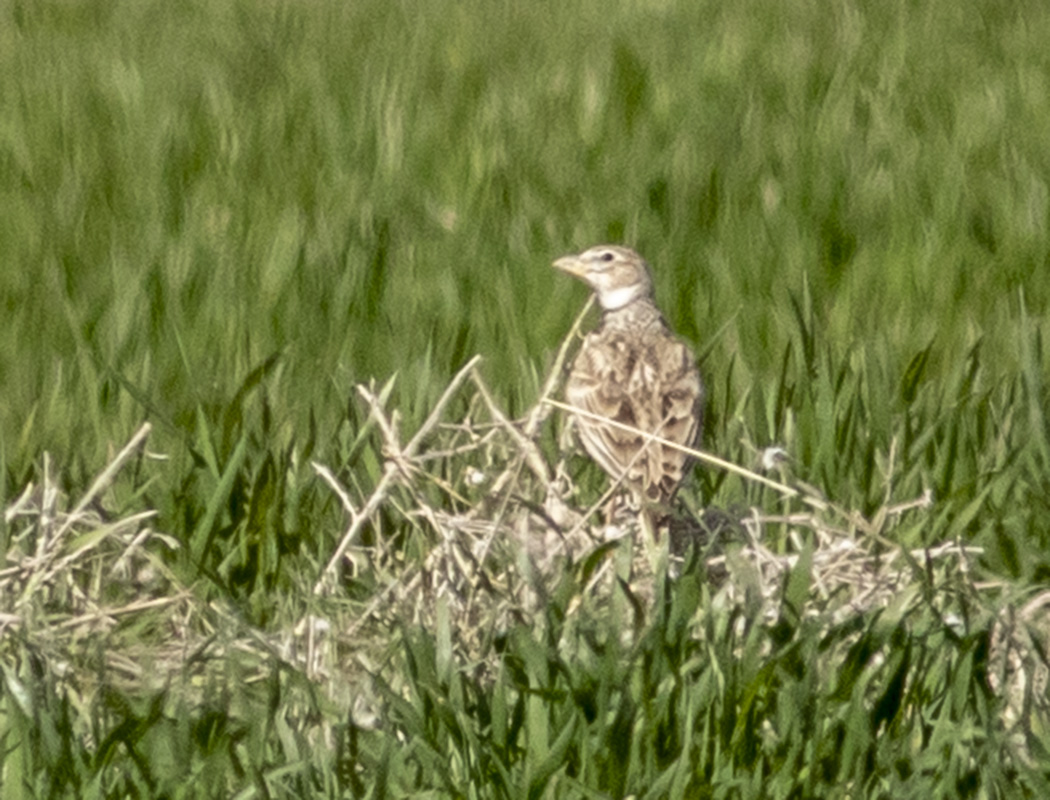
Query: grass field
[{"x": 222, "y": 217}]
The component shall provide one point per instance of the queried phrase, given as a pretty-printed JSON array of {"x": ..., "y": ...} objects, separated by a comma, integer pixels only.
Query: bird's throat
[{"x": 614, "y": 299}]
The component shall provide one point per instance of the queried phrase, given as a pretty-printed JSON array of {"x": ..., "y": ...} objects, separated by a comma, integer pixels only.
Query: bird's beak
[{"x": 571, "y": 265}]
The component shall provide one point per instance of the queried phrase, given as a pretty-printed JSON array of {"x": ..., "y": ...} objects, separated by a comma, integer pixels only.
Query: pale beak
[{"x": 571, "y": 265}]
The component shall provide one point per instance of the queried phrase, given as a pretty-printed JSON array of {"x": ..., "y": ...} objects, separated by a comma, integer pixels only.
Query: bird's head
[{"x": 617, "y": 275}]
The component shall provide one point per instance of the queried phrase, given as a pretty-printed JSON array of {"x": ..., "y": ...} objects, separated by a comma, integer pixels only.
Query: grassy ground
[{"x": 222, "y": 216}]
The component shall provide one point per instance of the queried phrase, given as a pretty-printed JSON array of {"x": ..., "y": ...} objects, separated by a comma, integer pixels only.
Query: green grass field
[{"x": 221, "y": 217}]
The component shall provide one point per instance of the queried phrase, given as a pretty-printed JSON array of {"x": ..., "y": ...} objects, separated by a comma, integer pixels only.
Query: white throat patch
[{"x": 618, "y": 298}]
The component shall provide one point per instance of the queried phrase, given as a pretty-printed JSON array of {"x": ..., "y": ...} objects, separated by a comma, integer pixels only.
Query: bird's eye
[{"x": 607, "y": 256}]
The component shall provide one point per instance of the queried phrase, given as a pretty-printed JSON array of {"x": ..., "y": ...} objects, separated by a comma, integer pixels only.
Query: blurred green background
[{"x": 219, "y": 216}]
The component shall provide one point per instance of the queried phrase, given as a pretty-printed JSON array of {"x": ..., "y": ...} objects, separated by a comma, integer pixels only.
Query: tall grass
[{"x": 220, "y": 216}]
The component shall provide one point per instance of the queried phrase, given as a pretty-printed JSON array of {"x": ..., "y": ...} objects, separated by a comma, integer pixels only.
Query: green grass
[{"x": 221, "y": 216}]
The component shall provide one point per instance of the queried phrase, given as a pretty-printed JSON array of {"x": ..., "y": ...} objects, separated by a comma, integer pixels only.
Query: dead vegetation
[{"x": 95, "y": 602}]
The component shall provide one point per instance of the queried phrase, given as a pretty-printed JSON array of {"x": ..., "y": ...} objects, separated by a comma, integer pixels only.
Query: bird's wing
[
  {"x": 598, "y": 384},
  {"x": 677, "y": 412},
  {"x": 649, "y": 382}
]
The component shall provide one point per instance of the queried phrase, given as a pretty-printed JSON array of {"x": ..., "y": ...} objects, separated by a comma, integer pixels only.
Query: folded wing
[{"x": 649, "y": 382}]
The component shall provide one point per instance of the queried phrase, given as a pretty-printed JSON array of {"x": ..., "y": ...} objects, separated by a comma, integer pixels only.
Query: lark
[{"x": 633, "y": 370}]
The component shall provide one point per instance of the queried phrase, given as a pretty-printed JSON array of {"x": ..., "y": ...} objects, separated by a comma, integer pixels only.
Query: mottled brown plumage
[{"x": 632, "y": 369}]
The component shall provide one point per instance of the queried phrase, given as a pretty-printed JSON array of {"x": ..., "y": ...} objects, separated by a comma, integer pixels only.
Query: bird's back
[{"x": 634, "y": 371}]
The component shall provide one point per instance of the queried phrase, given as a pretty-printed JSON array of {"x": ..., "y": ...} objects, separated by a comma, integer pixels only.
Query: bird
[{"x": 633, "y": 370}]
